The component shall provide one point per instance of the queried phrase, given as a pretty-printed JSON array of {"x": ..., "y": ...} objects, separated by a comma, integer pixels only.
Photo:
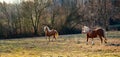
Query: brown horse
[
  {"x": 93, "y": 33},
  {"x": 49, "y": 33}
]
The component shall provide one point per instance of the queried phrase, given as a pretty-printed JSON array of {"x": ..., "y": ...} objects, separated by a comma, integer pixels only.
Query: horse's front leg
[
  {"x": 52, "y": 38},
  {"x": 49, "y": 38},
  {"x": 92, "y": 42},
  {"x": 101, "y": 39},
  {"x": 46, "y": 37},
  {"x": 87, "y": 41}
]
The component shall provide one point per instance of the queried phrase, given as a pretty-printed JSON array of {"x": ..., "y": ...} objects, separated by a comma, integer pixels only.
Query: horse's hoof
[
  {"x": 86, "y": 43},
  {"x": 93, "y": 44},
  {"x": 105, "y": 42}
]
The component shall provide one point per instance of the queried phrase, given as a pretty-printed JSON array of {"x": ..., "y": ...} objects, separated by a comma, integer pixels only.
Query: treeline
[{"x": 27, "y": 18}]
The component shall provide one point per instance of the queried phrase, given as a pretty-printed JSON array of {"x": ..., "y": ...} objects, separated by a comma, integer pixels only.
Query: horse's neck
[
  {"x": 49, "y": 30},
  {"x": 90, "y": 30},
  {"x": 93, "y": 30}
]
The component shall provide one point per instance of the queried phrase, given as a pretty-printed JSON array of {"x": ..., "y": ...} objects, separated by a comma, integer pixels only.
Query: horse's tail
[{"x": 56, "y": 34}]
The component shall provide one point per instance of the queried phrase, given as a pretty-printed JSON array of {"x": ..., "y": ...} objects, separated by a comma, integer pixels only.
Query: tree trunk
[{"x": 36, "y": 31}]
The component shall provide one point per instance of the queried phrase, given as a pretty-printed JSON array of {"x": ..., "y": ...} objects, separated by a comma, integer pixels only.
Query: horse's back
[
  {"x": 91, "y": 34},
  {"x": 100, "y": 32},
  {"x": 52, "y": 32},
  {"x": 96, "y": 32}
]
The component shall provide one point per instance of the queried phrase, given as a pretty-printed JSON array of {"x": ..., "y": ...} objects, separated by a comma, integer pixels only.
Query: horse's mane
[
  {"x": 96, "y": 28},
  {"x": 93, "y": 28},
  {"x": 47, "y": 28}
]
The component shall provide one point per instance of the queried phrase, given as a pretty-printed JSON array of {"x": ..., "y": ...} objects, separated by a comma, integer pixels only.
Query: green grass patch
[{"x": 65, "y": 46}]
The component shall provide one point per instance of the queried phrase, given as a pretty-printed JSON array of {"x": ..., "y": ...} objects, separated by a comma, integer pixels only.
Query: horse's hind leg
[
  {"x": 101, "y": 39},
  {"x": 54, "y": 37},
  {"x": 105, "y": 39}
]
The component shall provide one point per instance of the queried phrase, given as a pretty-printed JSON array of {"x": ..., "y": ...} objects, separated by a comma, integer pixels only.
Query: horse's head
[
  {"x": 45, "y": 28},
  {"x": 85, "y": 29}
]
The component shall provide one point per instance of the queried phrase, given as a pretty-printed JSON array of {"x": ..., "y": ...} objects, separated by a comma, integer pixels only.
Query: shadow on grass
[{"x": 112, "y": 44}]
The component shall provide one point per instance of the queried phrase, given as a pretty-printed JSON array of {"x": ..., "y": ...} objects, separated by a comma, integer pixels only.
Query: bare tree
[{"x": 34, "y": 11}]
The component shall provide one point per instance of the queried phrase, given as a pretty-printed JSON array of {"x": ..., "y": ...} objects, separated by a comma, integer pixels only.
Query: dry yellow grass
[{"x": 65, "y": 46}]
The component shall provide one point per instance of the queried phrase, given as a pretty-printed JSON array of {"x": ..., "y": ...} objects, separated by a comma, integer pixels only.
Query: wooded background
[{"x": 26, "y": 18}]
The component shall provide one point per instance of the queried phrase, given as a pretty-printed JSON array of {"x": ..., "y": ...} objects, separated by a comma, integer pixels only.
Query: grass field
[{"x": 65, "y": 46}]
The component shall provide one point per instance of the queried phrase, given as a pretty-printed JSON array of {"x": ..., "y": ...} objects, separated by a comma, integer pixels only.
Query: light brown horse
[
  {"x": 93, "y": 33},
  {"x": 49, "y": 33}
]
